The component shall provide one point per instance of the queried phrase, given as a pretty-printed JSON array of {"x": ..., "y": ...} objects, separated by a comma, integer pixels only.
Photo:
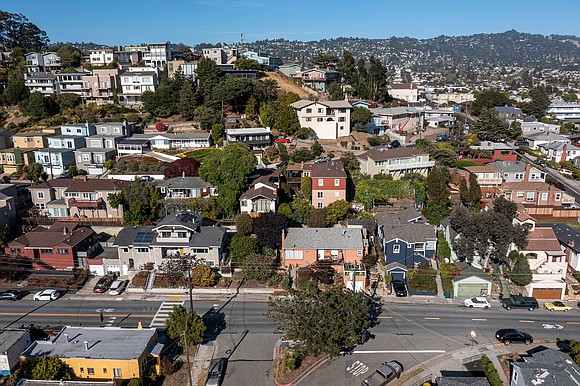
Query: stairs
[{"x": 150, "y": 281}]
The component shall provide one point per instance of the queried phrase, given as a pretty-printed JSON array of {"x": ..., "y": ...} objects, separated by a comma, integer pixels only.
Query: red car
[
  {"x": 103, "y": 284},
  {"x": 282, "y": 140}
]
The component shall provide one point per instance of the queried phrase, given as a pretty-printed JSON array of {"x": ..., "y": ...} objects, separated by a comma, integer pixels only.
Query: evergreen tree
[
  {"x": 251, "y": 107},
  {"x": 187, "y": 101},
  {"x": 437, "y": 205},
  {"x": 464, "y": 192},
  {"x": 347, "y": 68},
  {"x": 335, "y": 92},
  {"x": 474, "y": 192}
]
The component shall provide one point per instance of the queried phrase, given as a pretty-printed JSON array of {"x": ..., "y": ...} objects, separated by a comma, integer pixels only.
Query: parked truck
[{"x": 519, "y": 301}]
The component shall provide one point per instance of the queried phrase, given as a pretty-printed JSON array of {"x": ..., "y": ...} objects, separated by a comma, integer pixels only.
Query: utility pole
[{"x": 187, "y": 352}]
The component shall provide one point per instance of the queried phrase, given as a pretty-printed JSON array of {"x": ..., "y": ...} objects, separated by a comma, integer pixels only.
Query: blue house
[
  {"x": 55, "y": 161},
  {"x": 79, "y": 129},
  {"x": 66, "y": 142},
  {"x": 406, "y": 238}
]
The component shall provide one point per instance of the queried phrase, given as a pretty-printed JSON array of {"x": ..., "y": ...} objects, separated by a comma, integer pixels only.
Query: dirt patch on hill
[{"x": 287, "y": 85}]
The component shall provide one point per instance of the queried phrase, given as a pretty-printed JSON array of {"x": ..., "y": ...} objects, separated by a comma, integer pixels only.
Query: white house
[
  {"x": 101, "y": 57},
  {"x": 176, "y": 140},
  {"x": 539, "y": 127},
  {"x": 406, "y": 91},
  {"x": 135, "y": 81},
  {"x": 328, "y": 119}
]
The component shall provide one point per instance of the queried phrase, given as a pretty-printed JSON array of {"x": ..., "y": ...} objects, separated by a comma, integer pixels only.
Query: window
[
  {"x": 293, "y": 254},
  {"x": 308, "y": 111},
  {"x": 558, "y": 196},
  {"x": 544, "y": 196},
  {"x": 320, "y": 182},
  {"x": 40, "y": 195},
  {"x": 308, "y": 119},
  {"x": 104, "y": 370},
  {"x": 419, "y": 246},
  {"x": 199, "y": 250},
  {"x": 82, "y": 369},
  {"x": 336, "y": 182},
  {"x": 520, "y": 194},
  {"x": 319, "y": 110},
  {"x": 359, "y": 252},
  {"x": 117, "y": 373},
  {"x": 63, "y": 251},
  {"x": 86, "y": 157},
  {"x": 142, "y": 250},
  {"x": 86, "y": 196},
  {"x": 125, "y": 250},
  {"x": 182, "y": 235},
  {"x": 165, "y": 234},
  {"x": 319, "y": 119},
  {"x": 341, "y": 119},
  {"x": 336, "y": 194},
  {"x": 515, "y": 376},
  {"x": 90, "y": 371},
  {"x": 530, "y": 196},
  {"x": 396, "y": 249},
  {"x": 46, "y": 251},
  {"x": 320, "y": 195},
  {"x": 319, "y": 205},
  {"x": 15, "y": 251}
]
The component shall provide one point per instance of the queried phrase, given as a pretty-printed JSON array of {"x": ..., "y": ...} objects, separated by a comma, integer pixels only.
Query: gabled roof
[
  {"x": 566, "y": 235},
  {"x": 543, "y": 239},
  {"x": 409, "y": 232},
  {"x": 260, "y": 192},
  {"x": 396, "y": 265},
  {"x": 332, "y": 169},
  {"x": 342, "y": 104},
  {"x": 80, "y": 185},
  {"x": 548, "y": 367},
  {"x": 488, "y": 145},
  {"x": 508, "y": 109},
  {"x": 482, "y": 169},
  {"x": 386, "y": 153},
  {"x": 406, "y": 216},
  {"x": 324, "y": 238},
  {"x": 185, "y": 183},
  {"x": 529, "y": 186},
  {"x": 41, "y": 237},
  {"x": 188, "y": 220}
]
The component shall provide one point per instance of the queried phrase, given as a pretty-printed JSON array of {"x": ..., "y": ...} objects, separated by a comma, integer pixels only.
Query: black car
[
  {"x": 539, "y": 161},
  {"x": 399, "y": 288},
  {"x": 282, "y": 164},
  {"x": 519, "y": 150},
  {"x": 10, "y": 295},
  {"x": 521, "y": 143},
  {"x": 394, "y": 144},
  {"x": 506, "y": 336}
]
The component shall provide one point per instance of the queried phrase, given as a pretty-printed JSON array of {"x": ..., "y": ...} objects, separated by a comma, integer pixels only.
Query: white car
[
  {"x": 47, "y": 294},
  {"x": 477, "y": 302},
  {"x": 118, "y": 287}
]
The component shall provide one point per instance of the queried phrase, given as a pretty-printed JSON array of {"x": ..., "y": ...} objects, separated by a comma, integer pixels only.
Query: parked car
[
  {"x": 519, "y": 150},
  {"x": 322, "y": 159},
  {"x": 47, "y": 295},
  {"x": 541, "y": 162},
  {"x": 118, "y": 287},
  {"x": 10, "y": 295},
  {"x": 399, "y": 288},
  {"x": 442, "y": 137},
  {"x": 477, "y": 302},
  {"x": 65, "y": 175},
  {"x": 282, "y": 140},
  {"x": 519, "y": 301},
  {"x": 566, "y": 172},
  {"x": 521, "y": 143},
  {"x": 394, "y": 144},
  {"x": 508, "y": 335},
  {"x": 146, "y": 178},
  {"x": 384, "y": 374},
  {"x": 216, "y": 372},
  {"x": 557, "y": 306},
  {"x": 103, "y": 284}
]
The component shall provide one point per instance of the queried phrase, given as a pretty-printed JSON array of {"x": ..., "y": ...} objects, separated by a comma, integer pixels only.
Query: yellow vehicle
[{"x": 557, "y": 306}]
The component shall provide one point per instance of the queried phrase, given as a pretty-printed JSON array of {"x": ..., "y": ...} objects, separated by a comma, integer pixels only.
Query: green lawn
[{"x": 200, "y": 154}]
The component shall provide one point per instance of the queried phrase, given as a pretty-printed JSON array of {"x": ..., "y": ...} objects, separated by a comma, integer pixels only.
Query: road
[{"x": 409, "y": 333}]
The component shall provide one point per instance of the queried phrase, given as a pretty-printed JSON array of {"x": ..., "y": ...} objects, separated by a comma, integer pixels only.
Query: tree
[
  {"x": 258, "y": 267},
  {"x": 317, "y": 218},
  {"x": 234, "y": 91},
  {"x": 376, "y": 81},
  {"x": 283, "y": 152},
  {"x": 351, "y": 165},
  {"x": 268, "y": 229},
  {"x": 521, "y": 273},
  {"x": 140, "y": 203},
  {"x": 243, "y": 224},
  {"x": 203, "y": 276},
  {"x": 315, "y": 319},
  {"x": 109, "y": 164},
  {"x": 301, "y": 209},
  {"x": 207, "y": 117},
  {"x": 287, "y": 120},
  {"x": 187, "y": 167},
  {"x": 39, "y": 106},
  {"x": 575, "y": 351},
  {"x": 17, "y": 31},
  {"x": 251, "y": 107},
  {"x": 45, "y": 368},
  {"x": 286, "y": 210},
  {"x": 241, "y": 247},
  {"x": 325, "y": 61},
  {"x": 539, "y": 103},
  {"x": 186, "y": 325},
  {"x": 228, "y": 170},
  {"x": 464, "y": 192},
  {"x": 35, "y": 172},
  {"x": 359, "y": 117},
  {"x": 244, "y": 63},
  {"x": 347, "y": 68},
  {"x": 335, "y": 92},
  {"x": 208, "y": 76},
  {"x": 474, "y": 193},
  {"x": 16, "y": 91},
  {"x": 69, "y": 56},
  {"x": 187, "y": 101},
  {"x": 316, "y": 149},
  {"x": 337, "y": 211},
  {"x": 488, "y": 99},
  {"x": 437, "y": 205},
  {"x": 217, "y": 133},
  {"x": 491, "y": 125},
  {"x": 68, "y": 101}
]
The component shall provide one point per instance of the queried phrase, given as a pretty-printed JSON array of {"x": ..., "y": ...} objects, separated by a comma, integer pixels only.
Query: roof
[
  {"x": 529, "y": 186},
  {"x": 386, "y": 153},
  {"x": 395, "y": 110},
  {"x": 103, "y": 343},
  {"x": 409, "y": 215},
  {"x": 29, "y": 133},
  {"x": 545, "y": 136},
  {"x": 342, "y": 104},
  {"x": 559, "y": 146},
  {"x": 41, "y": 237},
  {"x": 396, "y": 265},
  {"x": 488, "y": 145},
  {"x": 185, "y": 183},
  {"x": 324, "y": 238},
  {"x": 508, "y": 109},
  {"x": 482, "y": 169},
  {"x": 249, "y": 130},
  {"x": 462, "y": 381},
  {"x": 202, "y": 135},
  {"x": 332, "y": 169},
  {"x": 260, "y": 192},
  {"x": 550, "y": 367},
  {"x": 510, "y": 166},
  {"x": 9, "y": 337},
  {"x": 130, "y": 73},
  {"x": 543, "y": 239},
  {"x": 566, "y": 235},
  {"x": 134, "y": 141},
  {"x": 403, "y": 86},
  {"x": 409, "y": 232},
  {"x": 31, "y": 382}
]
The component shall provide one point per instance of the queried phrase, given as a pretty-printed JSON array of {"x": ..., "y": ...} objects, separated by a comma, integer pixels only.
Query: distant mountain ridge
[{"x": 510, "y": 48}]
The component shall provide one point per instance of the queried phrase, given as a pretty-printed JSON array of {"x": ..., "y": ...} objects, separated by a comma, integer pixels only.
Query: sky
[{"x": 124, "y": 22}]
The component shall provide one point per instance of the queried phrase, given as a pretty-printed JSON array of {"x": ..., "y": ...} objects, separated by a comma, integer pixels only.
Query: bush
[
  {"x": 291, "y": 361},
  {"x": 443, "y": 249},
  {"x": 160, "y": 126},
  {"x": 490, "y": 371},
  {"x": 203, "y": 276},
  {"x": 423, "y": 279}
]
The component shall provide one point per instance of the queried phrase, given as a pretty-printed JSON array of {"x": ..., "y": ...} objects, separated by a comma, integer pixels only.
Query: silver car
[{"x": 118, "y": 287}]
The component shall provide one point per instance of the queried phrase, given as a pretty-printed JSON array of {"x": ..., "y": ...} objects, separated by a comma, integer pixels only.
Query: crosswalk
[
  {"x": 110, "y": 321},
  {"x": 163, "y": 313}
]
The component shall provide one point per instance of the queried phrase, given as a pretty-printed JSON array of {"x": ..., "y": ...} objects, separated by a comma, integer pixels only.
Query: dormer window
[
  {"x": 182, "y": 235},
  {"x": 165, "y": 234}
]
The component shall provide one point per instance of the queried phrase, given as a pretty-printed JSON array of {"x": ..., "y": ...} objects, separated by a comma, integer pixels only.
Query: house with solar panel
[{"x": 182, "y": 234}]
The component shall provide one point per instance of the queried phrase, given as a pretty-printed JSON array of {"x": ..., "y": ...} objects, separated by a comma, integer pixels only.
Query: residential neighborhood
[{"x": 336, "y": 211}]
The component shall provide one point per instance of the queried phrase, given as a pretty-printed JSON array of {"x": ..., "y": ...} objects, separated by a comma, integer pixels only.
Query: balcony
[
  {"x": 489, "y": 181},
  {"x": 411, "y": 165},
  {"x": 87, "y": 204}
]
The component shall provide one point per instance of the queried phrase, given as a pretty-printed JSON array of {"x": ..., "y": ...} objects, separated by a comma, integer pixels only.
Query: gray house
[
  {"x": 124, "y": 128},
  {"x": 12, "y": 343},
  {"x": 253, "y": 137},
  {"x": 99, "y": 149},
  {"x": 174, "y": 236},
  {"x": 518, "y": 171},
  {"x": 546, "y": 367},
  {"x": 186, "y": 187}
]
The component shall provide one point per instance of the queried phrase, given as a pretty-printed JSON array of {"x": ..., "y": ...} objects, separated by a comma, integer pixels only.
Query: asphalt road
[{"x": 409, "y": 333}]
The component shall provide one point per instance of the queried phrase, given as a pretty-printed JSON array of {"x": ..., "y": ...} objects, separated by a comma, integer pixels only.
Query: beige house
[
  {"x": 13, "y": 160},
  {"x": 328, "y": 119},
  {"x": 30, "y": 140},
  {"x": 396, "y": 162},
  {"x": 101, "y": 87}
]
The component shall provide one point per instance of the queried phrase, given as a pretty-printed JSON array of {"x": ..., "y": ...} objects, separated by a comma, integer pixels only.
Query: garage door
[
  {"x": 398, "y": 276},
  {"x": 468, "y": 290},
  {"x": 547, "y": 293}
]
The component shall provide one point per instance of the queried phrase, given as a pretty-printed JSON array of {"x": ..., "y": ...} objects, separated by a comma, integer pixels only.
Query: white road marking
[
  {"x": 398, "y": 351},
  {"x": 163, "y": 313}
]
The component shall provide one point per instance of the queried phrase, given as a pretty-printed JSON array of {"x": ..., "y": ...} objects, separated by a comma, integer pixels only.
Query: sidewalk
[{"x": 200, "y": 364}]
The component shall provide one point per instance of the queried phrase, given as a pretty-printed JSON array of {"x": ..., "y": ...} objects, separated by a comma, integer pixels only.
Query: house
[
  {"x": 182, "y": 67},
  {"x": 185, "y": 188},
  {"x": 101, "y": 56},
  {"x": 548, "y": 262},
  {"x": 55, "y": 161},
  {"x": 30, "y": 140},
  {"x": 221, "y": 55},
  {"x": 14, "y": 159},
  {"x": 157, "y": 55},
  {"x": 406, "y": 238},
  {"x": 135, "y": 81},
  {"x": 34, "y": 62},
  {"x": 453, "y": 97},
  {"x": 545, "y": 367},
  {"x": 8, "y": 208},
  {"x": 539, "y": 127},
  {"x": 540, "y": 199},
  {"x": 542, "y": 138},
  {"x": 176, "y": 140},
  {"x": 255, "y": 138},
  {"x": 292, "y": 70},
  {"x": 397, "y": 271},
  {"x": 569, "y": 239},
  {"x": 98, "y": 149},
  {"x": 78, "y": 129},
  {"x": 101, "y": 86},
  {"x": 176, "y": 235},
  {"x": 395, "y": 119},
  {"x": 262, "y": 196},
  {"x": 270, "y": 62},
  {"x": 66, "y": 142},
  {"x": 408, "y": 92},
  {"x": 328, "y": 181},
  {"x": 559, "y": 151},
  {"x": 12, "y": 343},
  {"x": 328, "y": 119},
  {"x": 509, "y": 113},
  {"x": 343, "y": 248},
  {"x": 70, "y": 82},
  {"x": 320, "y": 79},
  {"x": 519, "y": 171},
  {"x": 489, "y": 179},
  {"x": 133, "y": 146},
  {"x": 44, "y": 83},
  {"x": 124, "y": 128},
  {"x": 396, "y": 162},
  {"x": 564, "y": 111},
  {"x": 488, "y": 151},
  {"x": 78, "y": 198},
  {"x": 63, "y": 246},
  {"x": 471, "y": 282},
  {"x": 102, "y": 353}
]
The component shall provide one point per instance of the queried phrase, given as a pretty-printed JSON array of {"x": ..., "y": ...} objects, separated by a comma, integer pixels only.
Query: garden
[{"x": 422, "y": 280}]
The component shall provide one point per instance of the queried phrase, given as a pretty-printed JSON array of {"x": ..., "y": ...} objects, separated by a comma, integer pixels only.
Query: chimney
[
  {"x": 66, "y": 337},
  {"x": 86, "y": 345},
  {"x": 527, "y": 174},
  {"x": 571, "y": 243},
  {"x": 85, "y": 178},
  {"x": 64, "y": 231},
  {"x": 563, "y": 159}
]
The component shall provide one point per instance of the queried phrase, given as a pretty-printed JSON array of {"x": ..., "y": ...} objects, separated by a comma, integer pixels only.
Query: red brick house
[{"x": 62, "y": 246}]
